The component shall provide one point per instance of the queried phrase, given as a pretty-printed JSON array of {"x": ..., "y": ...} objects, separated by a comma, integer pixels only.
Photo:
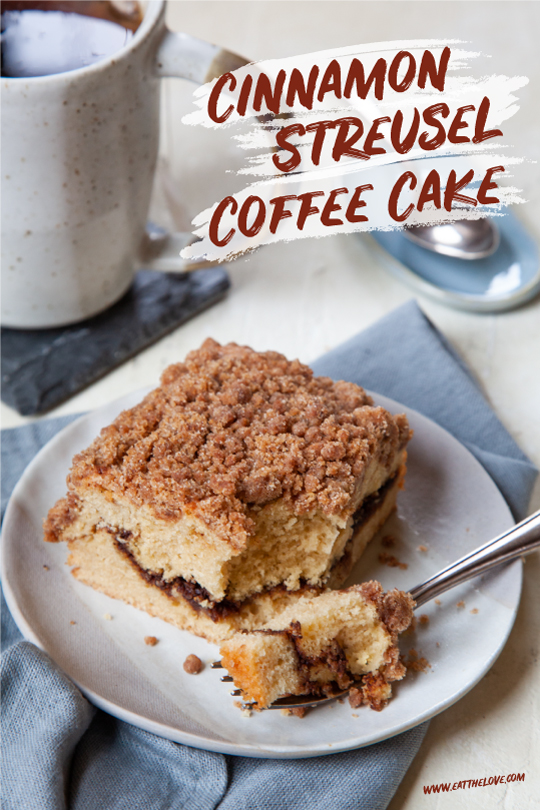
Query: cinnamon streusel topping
[{"x": 231, "y": 428}]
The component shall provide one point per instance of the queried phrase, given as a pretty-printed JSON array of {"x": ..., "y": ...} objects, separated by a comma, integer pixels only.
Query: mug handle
[{"x": 184, "y": 57}]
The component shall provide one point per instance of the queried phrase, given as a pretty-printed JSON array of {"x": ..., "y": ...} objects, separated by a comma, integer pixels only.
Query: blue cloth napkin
[{"x": 60, "y": 752}]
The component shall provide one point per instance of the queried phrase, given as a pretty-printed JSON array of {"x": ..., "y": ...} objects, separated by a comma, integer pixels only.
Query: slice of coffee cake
[
  {"x": 237, "y": 481},
  {"x": 323, "y": 644}
]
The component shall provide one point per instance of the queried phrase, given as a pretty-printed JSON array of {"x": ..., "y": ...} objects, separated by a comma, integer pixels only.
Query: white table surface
[{"x": 306, "y": 297}]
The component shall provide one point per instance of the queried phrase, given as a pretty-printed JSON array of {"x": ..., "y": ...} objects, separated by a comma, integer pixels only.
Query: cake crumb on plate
[
  {"x": 416, "y": 663},
  {"x": 391, "y": 561},
  {"x": 193, "y": 664}
]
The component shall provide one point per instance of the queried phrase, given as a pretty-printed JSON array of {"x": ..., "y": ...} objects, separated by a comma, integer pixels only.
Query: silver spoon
[
  {"x": 517, "y": 541},
  {"x": 466, "y": 239}
]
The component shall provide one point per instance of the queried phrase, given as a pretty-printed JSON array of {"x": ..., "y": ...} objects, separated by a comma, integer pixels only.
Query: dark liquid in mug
[{"x": 42, "y": 38}]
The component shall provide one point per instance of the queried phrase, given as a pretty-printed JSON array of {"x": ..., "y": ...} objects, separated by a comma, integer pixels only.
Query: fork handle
[{"x": 521, "y": 539}]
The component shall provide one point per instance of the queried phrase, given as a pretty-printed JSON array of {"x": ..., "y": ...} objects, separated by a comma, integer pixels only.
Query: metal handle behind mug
[
  {"x": 185, "y": 57},
  {"x": 521, "y": 539}
]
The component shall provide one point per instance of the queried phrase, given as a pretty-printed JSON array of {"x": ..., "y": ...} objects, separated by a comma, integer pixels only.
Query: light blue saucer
[{"x": 507, "y": 278}]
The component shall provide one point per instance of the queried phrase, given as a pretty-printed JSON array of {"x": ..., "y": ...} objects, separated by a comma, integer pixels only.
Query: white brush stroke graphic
[{"x": 320, "y": 187}]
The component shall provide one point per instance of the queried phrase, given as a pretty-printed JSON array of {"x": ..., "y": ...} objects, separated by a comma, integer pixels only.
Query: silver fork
[{"x": 516, "y": 542}]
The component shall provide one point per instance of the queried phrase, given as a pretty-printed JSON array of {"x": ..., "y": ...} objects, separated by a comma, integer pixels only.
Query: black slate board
[{"x": 42, "y": 368}]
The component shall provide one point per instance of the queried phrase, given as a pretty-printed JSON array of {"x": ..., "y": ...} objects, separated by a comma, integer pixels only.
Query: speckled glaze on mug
[{"x": 79, "y": 154}]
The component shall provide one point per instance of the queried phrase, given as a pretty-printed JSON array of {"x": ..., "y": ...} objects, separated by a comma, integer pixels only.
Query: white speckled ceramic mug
[{"x": 79, "y": 154}]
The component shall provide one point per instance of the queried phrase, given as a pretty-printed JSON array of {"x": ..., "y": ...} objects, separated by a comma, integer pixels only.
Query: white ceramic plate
[{"x": 450, "y": 505}]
